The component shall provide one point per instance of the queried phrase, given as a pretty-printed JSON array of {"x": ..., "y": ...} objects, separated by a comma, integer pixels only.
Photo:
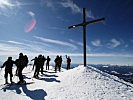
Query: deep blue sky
[{"x": 41, "y": 26}]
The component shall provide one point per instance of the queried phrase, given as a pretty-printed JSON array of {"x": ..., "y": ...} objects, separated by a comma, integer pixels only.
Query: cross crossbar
[{"x": 84, "y": 24}]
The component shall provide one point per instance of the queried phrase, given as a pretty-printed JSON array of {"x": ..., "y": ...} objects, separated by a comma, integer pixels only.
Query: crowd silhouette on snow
[{"x": 38, "y": 65}]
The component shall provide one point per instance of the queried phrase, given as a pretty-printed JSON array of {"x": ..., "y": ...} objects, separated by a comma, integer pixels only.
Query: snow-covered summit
[{"x": 80, "y": 83}]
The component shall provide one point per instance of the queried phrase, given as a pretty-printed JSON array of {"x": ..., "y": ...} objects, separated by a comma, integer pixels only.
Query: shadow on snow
[
  {"x": 37, "y": 94},
  {"x": 49, "y": 80},
  {"x": 46, "y": 75}
]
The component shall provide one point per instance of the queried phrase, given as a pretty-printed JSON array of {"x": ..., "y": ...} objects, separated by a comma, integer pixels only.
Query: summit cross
[{"x": 84, "y": 24}]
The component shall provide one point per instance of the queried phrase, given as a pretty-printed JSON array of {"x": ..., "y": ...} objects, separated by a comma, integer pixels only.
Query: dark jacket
[{"x": 8, "y": 65}]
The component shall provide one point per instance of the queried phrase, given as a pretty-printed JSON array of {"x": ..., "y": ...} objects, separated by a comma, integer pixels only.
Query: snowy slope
[{"x": 79, "y": 83}]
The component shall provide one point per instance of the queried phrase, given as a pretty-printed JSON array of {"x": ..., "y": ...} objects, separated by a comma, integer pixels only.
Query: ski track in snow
[{"x": 80, "y": 83}]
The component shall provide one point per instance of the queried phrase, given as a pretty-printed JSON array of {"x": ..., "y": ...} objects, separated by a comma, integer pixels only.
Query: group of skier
[
  {"x": 39, "y": 62},
  {"x": 58, "y": 62},
  {"x": 21, "y": 62}
]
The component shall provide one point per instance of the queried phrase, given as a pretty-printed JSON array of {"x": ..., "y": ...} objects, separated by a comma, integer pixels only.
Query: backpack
[{"x": 23, "y": 61}]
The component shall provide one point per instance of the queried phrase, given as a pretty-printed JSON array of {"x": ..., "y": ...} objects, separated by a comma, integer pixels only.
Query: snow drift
[{"x": 80, "y": 83}]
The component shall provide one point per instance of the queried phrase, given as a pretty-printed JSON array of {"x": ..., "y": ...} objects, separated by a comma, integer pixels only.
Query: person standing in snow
[
  {"x": 8, "y": 69},
  {"x": 47, "y": 63},
  {"x": 43, "y": 59},
  {"x": 17, "y": 64},
  {"x": 57, "y": 62},
  {"x": 22, "y": 62},
  {"x": 34, "y": 62},
  {"x": 68, "y": 62},
  {"x": 39, "y": 65},
  {"x": 26, "y": 61},
  {"x": 60, "y": 62}
]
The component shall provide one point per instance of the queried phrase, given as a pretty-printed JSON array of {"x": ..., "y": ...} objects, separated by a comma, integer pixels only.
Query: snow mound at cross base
[{"x": 80, "y": 83}]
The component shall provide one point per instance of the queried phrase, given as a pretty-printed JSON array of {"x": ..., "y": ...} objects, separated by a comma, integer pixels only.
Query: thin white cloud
[
  {"x": 96, "y": 43},
  {"x": 6, "y": 49},
  {"x": 32, "y": 14},
  {"x": 14, "y": 47},
  {"x": 62, "y": 19},
  {"x": 6, "y": 4},
  {"x": 19, "y": 44},
  {"x": 38, "y": 43},
  {"x": 56, "y": 42},
  {"x": 87, "y": 47},
  {"x": 90, "y": 55},
  {"x": 66, "y": 4},
  {"x": 13, "y": 50},
  {"x": 14, "y": 42},
  {"x": 71, "y": 40},
  {"x": 80, "y": 44},
  {"x": 70, "y": 4},
  {"x": 8, "y": 7},
  {"x": 132, "y": 40},
  {"x": 48, "y": 3},
  {"x": 75, "y": 8},
  {"x": 114, "y": 43},
  {"x": 90, "y": 14},
  {"x": 56, "y": 28},
  {"x": 9, "y": 4}
]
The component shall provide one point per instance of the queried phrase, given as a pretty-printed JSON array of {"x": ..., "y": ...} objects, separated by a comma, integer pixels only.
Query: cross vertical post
[
  {"x": 84, "y": 24},
  {"x": 84, "y": 35}
]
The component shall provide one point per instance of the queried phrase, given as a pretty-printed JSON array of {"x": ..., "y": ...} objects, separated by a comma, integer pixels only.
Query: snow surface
[{"x": 80, "y": 83}]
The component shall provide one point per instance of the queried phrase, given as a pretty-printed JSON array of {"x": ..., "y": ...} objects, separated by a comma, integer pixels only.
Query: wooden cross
[{"x": 84, "y": 24}]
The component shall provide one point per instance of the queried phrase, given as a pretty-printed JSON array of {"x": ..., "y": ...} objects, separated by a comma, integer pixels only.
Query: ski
[{"x": 27, "y": 83}]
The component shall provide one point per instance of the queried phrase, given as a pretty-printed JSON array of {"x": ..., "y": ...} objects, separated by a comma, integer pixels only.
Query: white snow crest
[{"x": 80, "y": 83}]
